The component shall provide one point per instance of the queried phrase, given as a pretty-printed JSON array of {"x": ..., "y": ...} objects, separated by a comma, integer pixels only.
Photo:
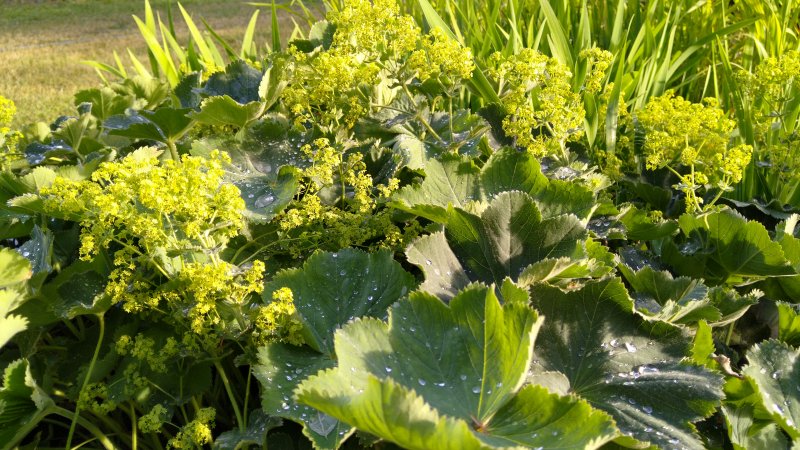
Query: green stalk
[
  {"x": 75, "y": 415},
  {"x": 134, "y": 434},
  {"x": 90, "y": 427},
  {"x": 234, "y": 403},
  {"x": 173, "y": 151}
]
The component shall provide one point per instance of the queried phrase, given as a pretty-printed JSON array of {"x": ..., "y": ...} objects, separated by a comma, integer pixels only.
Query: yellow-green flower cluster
[
  {"x": 327, "y": 87},
  {"x": 143, "y": 349},
  {"x": 374, "y": 28},
  {"x": 770, "y": 89},
  {"x": 441, "y": 58},
  {"x": 695, "y": 136},
  {"x": 197, "y": 433},
  {"x": 536, "y": 92},
  {"x": 599, "y": 61},
  {"x": 278, "y": 320},
  {"x": 205, "y": 286},
  {"x": 772, "y": 79},
  {"x": 8, "y": 138},
  {"x": 140, "y": 202},
  {"x": 153, "y": 420},
  {"x": 678, "y": 130},
  {"x": 169, "y": 221},
  {"x": 372, "y": 45},
  {"x": 95, "y": 398},
  {"x": 354, "y": 219}
]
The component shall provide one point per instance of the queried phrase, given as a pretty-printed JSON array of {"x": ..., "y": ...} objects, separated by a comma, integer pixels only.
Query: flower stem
[
  {"x": 234, "y": 403},
  {"x": 75, "y": 415}
]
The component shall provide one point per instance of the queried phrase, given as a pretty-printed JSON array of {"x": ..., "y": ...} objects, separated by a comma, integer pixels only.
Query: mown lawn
[{"x": 43, "y": 44}]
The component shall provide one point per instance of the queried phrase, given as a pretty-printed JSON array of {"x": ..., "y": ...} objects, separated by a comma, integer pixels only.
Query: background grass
[{"x": 42, "y": 44}]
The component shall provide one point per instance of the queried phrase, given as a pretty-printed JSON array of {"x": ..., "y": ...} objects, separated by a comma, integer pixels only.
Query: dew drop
[
  {"x": 421, "y": 382},
  {"x": 476, "y": 390}
]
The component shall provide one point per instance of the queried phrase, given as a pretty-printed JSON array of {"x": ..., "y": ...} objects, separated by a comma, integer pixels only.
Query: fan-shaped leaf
[
  {"x": 508, "y": 237},
  {"x": 774, "y": 367},
  {"x": 659, "y": 296},
  {"x": 439, "y": 376},
  {"x": 723, "y": 247},
  {"x": 622, "y": 366},
  {"x": 329, "y": 290}
]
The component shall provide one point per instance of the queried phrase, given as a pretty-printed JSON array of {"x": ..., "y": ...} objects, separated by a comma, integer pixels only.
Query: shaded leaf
[
  {"x": 259, "y": 424},
  {"x": 623, "y": 366},
  {"x": 239, "y": 82},
  {"x": 724, "y": 247},
  {"x": 509, "y": 236}
]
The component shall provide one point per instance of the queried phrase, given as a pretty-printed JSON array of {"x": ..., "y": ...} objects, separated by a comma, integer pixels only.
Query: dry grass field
[{"x": 43, "y": 44}]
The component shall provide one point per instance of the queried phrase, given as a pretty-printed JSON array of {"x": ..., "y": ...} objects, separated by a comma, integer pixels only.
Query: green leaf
[
  {"x": 562, "y": 271},
  {"x": 512, "y": 170},
  {"x": 265, "y": 197},
  {"x": 731, "y": 304},
  {"x": 659, "y": 296},
  {"x": 14, "y": 268},
  {"x": 135, "y": 126},
  {"x": 259, "y": 424},
  {"x": 724, "y": 247},
  {"x": 280, "y": 369},
  {"x": 639, "y": 226},
  {"x": 457, "y": 181},
  {"x": 439, "y": 376},
  {"x": 239, "y": 81},
  {"x": 508, "y": 237},
  {"x": 747, "y": 417},
  {"x": 623, "y": 366},
  {"x": 703, "y": 345},
  {"x": 329, "y": 290},
  {"x": 105, "y": 102},
  {"x": 788, "y": 324},
  {"x": 222, "y": 111},
  {"x": 453, "y": 181},
  {"x": 22, "y": 403},
  {"x": 748, "y": 433},
  {"x": 444, "y": 274},
  {"x": 38, "y": 250},
  {"x": 10, "y": 324},
  {"x": 333, "y": 288},
  {"x": 784, "y": 235},
  {"x": 774, "y": 367},
  {"x": 186, "y": 91}
]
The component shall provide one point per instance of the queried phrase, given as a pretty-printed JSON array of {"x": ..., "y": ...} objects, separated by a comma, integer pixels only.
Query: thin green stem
[
  {"x": 234, "y": 403},
  {"x": 729, "y": 335},
  {"x": 246, "y": 395},
  {"x": 88, "y": 426},
  {"x": 134, "y": 430},
  {"x": 173, "y": 151},
  {"x": 75, "y": 415}
]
